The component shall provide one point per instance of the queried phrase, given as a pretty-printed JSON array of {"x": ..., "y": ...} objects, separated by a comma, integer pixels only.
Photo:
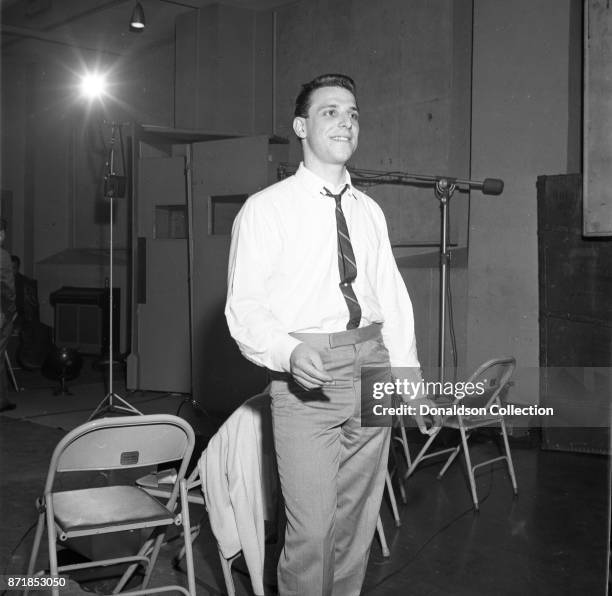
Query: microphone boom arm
[{"x": 489, "y": 186}]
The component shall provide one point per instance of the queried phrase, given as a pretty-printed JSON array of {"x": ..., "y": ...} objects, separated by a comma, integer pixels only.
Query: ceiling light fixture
[{"x": 137, "y": 22}]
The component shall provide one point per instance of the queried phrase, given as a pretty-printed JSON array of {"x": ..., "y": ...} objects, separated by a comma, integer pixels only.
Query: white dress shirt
[{"x": 284, "y": 278}]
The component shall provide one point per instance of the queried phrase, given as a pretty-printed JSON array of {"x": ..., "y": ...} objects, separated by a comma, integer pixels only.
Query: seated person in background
[
  {"x": 26, "y": 294},
  {"x": 7, "y": 315},
  {"x": 34, "y": 336}
]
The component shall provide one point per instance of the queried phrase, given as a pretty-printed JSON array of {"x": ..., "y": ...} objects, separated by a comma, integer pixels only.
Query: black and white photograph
[{"x": 306, "y": 297}]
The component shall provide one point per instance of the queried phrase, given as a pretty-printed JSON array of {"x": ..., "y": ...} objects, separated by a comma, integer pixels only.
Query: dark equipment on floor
[{"x": 62, "y": 364}]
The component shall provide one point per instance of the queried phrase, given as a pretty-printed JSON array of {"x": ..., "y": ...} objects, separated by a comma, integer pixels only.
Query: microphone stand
[
  {"x": 112, "y": 402},
  {"x": 443, "y": 190},
  {"x": 444, "y": 187}
]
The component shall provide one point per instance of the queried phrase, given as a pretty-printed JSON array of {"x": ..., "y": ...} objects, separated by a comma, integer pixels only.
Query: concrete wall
[
  {"x": 520, "y": 129},
  {"x": 232, "y": 47}
]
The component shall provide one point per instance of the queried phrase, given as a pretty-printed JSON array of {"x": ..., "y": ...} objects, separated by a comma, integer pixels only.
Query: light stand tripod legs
[{"x": 108, "y": 405}]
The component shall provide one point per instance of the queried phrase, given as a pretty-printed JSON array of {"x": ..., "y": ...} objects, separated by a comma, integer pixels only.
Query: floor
[{"x": 550, "y": 540}]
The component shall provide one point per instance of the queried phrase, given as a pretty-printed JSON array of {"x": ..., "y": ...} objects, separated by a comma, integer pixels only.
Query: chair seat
[{"x": 97, "y": 508}]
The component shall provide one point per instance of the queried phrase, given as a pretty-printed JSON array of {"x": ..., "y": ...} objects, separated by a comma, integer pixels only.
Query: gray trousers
[{"x": 331, "y": 469}]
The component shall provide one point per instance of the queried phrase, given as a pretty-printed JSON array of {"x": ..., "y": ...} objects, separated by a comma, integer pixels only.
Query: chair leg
[
  {"x": 381, "y": 536},
  {"x": 449, "y": 461},
  {"x": 40, "y": 527},
  {"x": 187, "y": 539},
  {"x": 404, "y": 442},
  {"x": 195, "y": 532},
  {"x": 127, "y": 574},
  {"x": 52, "y": 541},
  {"x": 509, "y": 457},
  {"x": 9, "y": 367},
  {"x": 153, "y": 559},
  {"x": 400, "y": 483},
  {"x": 396, "y": 517},
  {"x": 400, "y": 480},
  {"x": 470, "y": 470},
  {"x": 421, "y": 454},
  {"x": 227, "y": 574}
]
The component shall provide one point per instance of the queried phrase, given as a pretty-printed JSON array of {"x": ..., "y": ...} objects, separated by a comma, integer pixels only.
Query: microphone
[
  {"x": 492, "y": 186},
  {"x": 489, "y": 186}
]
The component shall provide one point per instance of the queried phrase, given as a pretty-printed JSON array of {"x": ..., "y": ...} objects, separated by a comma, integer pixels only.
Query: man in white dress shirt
[{"x": 314, "y": 295}]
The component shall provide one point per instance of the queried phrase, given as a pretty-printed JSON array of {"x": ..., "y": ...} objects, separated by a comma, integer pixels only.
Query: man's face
[{"x": 331, "y": 131}]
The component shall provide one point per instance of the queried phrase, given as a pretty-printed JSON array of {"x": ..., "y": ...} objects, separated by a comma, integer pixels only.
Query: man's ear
[{"x": 299, "y": 127}]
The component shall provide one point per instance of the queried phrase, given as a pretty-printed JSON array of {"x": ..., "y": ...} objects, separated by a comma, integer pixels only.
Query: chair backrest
[
  {"x": 490, "y": 379},
  {"x": 123, "y": 442}
]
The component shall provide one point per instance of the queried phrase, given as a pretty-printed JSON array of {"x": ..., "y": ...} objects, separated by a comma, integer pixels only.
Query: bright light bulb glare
[
  {"x": 137, "y": 25},
  {"x": 93, "y": 85}
]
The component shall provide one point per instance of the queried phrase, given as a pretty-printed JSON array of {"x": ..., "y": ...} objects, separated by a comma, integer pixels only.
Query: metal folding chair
[
  {"x": 494, "y": 377},
  {"x": 7, "y": 359},
  {"x": 158, "y": 485},
  {"x": 11, "y": 372},
  {"x": 111, "y": 444}
]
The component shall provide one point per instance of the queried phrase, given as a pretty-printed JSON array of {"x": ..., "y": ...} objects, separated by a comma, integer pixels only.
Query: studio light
[
  {"x": 93, "y": 85},
  {"x": 137, "y": 22}
]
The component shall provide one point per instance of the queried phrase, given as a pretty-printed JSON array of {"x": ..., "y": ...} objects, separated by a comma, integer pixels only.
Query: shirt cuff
[
  {"x": 280, "y": 353},
  {"x": 411, "y": 373},
  {"x": 409, "y": 380}
]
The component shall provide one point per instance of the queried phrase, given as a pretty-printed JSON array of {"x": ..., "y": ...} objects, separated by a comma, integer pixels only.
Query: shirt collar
[{"x": 315, "y": 184}]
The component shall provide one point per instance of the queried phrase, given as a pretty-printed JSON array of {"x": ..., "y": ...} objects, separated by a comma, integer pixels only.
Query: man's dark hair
[
  {"x": 16, "y": 260},
  {"x": 302, "y": 102},
  {"x": 3, "y": 224}
]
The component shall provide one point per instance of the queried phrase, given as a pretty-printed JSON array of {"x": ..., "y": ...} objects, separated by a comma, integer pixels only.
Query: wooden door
[
  {"x": 224, "y": 174},
  {"x": 162, "y": 354}
]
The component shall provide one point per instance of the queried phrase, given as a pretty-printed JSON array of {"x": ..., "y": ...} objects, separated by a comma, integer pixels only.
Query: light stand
[{"x": 114, "y": 186}]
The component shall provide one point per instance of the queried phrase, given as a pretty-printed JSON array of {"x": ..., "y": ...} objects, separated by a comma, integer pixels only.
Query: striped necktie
[{"x": 346, "y": 261}]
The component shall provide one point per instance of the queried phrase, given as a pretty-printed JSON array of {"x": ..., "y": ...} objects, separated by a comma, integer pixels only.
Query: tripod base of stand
[{"x": 108, "y": 404}]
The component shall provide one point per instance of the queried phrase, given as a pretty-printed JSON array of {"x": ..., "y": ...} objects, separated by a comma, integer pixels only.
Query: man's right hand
[
  {"x": 435, "y": 420},
  {"x": 307, "y": 367},
  {"x": 433, "y": 428}
]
